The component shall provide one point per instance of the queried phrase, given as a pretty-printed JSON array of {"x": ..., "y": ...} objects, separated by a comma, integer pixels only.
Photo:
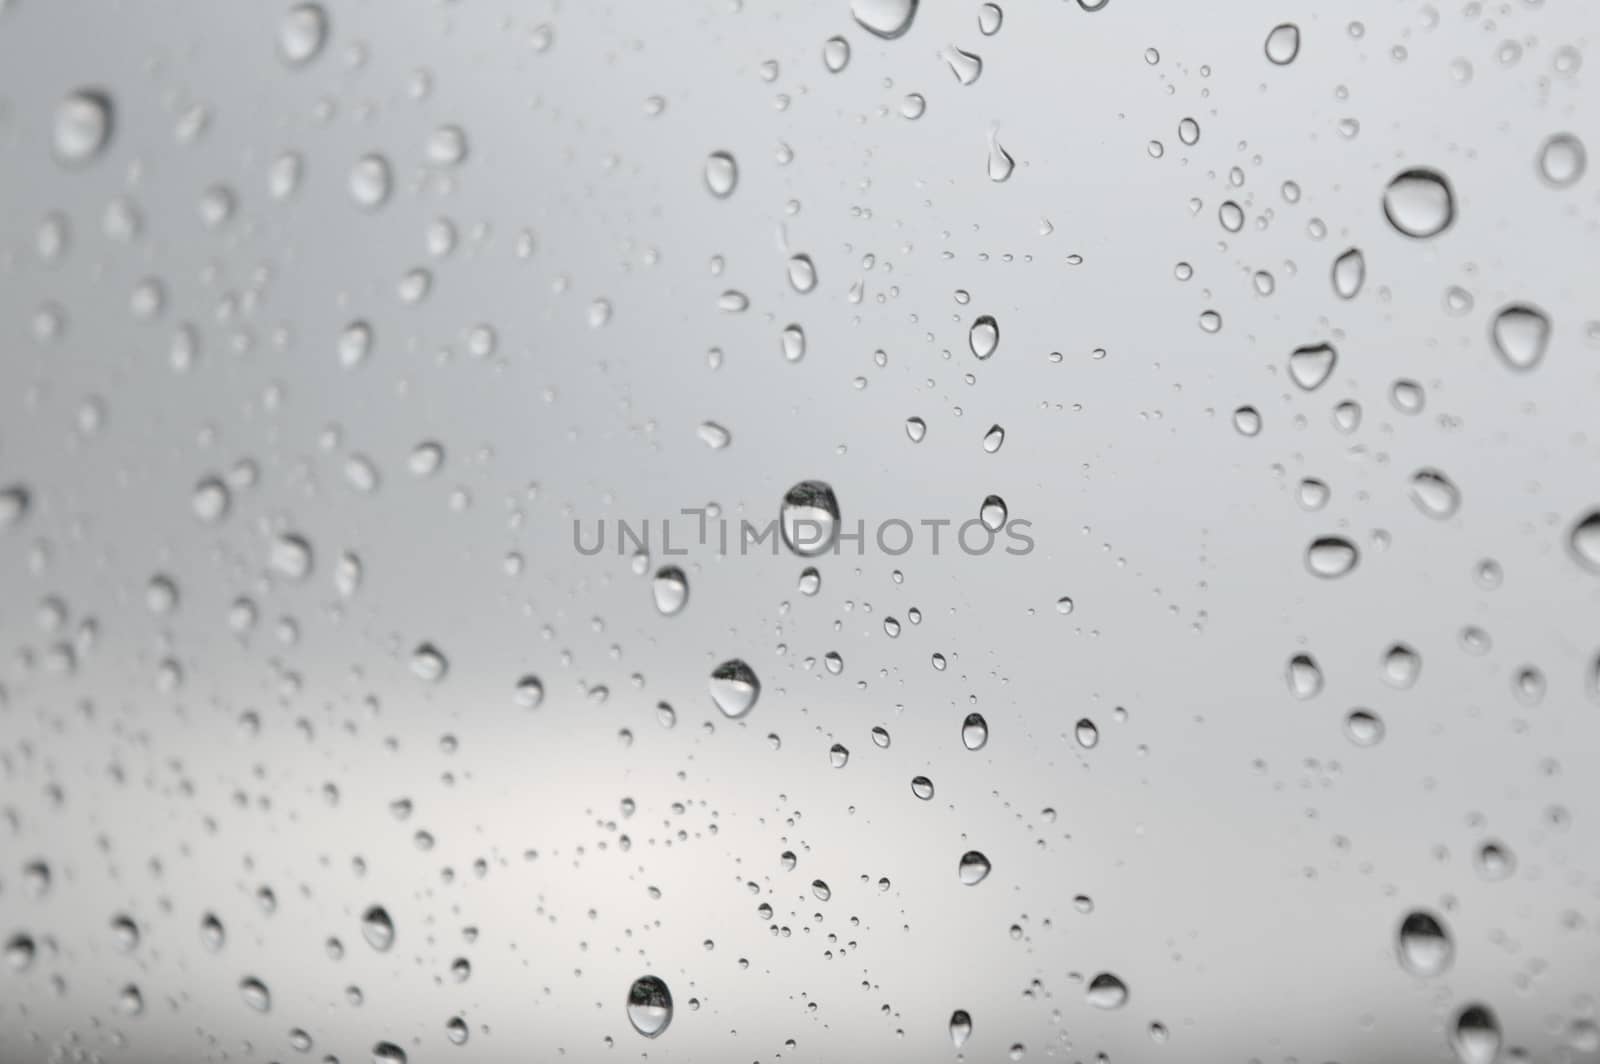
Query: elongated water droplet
[
  {"x": 809, "y": 518},
  {"x": 671, "y": 589},
  {"x": 966, "y": 66},
  {"x": 1331, "y": 556},
  {"x": 1349, "y": 271},
  {"x": 14, "y": 503},
  {"x": 649, "y": 1006},
  {"x": 1311, "y": 365},
  {"x": 722, "y": 174},
  {"x": 1283, "y": 43},
  {"x": 974, "y": 731},
  {"x": 994, "y": 438},
  {"x": 1304, "y": 676},
  {"x": 916, "y": 429},
  {"x": 802, "y": 273},
  {"x": 1000, "y": 161},
  {"x": 993, "y": 513},
  {"x": 835, "y": 54},
  {"x": 1424, "y": 945},
  {"x": 1434, "y": 494},
  {"x": 884, "y": 18},
  {"x": 1419, "y": 203},
  {"x": 794, "y": 343},
  {"x": 377, "y": 928},
  {"x": 1520, "y": 333},
  {"x": 990, "y": 17},
  {"x": 734, "y": 688},
  {"x": 388, "y": 1053},
  {"x": 714, "y": 435},
  {"x": 973, "y": 868},
  {"x": 370, "y": 181},
  {"x": 255, "y": 994},
  {"x": 983, "y": 336},
  {"x": 960, "y": 1028}
]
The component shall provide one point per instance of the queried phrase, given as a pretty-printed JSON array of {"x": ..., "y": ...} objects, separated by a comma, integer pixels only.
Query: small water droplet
[
  {"x": 974, "y": 731},
  {"x": 1106, "y": 991},
  {"x": 1311, "y": 365},
  {"x": 1584, "y": 540},
  {"x": 1331, "y": 556},
  {"x": 809, "y": 518},
  {"x": 1475, "y": 1037},
  {"x": 960, "y": 1028},
  {"x": 1435, "y": 494},
  {"x": 884, "y": 18},
  {"x": 1001, "y": 164},
  {"x": 1520, "y": 333},
  {"x": 734, "y": 688},
  {"x": 377, "y": 928},
  {"x": 1283, "y": 43},
  {"x": 83, "y": 126},
  {"x": 1424, "y": 945},
  {"x": 1349, "y": 271},
  {"x": 1562, "y": 160},
  {"x": 973, "y": 868},
  {"x": 671, "y": 590},
  {"x": 993, "y": 513},
  {"x": 302, "y": 33}
]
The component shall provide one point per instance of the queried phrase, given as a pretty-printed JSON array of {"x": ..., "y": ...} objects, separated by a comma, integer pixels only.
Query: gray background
[{"x": 1248, "y": 864}]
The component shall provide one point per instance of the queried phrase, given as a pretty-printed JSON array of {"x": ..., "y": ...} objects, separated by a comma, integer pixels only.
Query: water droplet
[
  {"x": 1247, "y": 421},
  {"x": 291, "y": 557},
  {"x": 1520, "y": 333},
  {"x": 734, "y": 688},
  {"x": 302, "y": 33},
  {"x": 1087, "y": 734},
  {"x": 1106, "y": 991},
  {"x": 916, "y": 429},
  {"x": 984, "y": 336},
  {"x": 714, "y": 435},
  {"x": 1304, "y": 676},
  {"x": 649, "y": 1006},
  {"x": 1401, "y": 666},
  {"x": 1311, "y": 365},
  {"x": 1562, "y": 160},
  {"x": 83, "y": 126},
  {"x": 1494, "y": 862},
  {"x": 529, "y": 692},
  {"x": 446, "y": 146},
  {"x": 1435, "y": 494},
  {"x": 377, "y": 928},
  {"x": 1363, "y": 727},
  {"x": 960, "y": 1028},
  {"x": 1584, "y": 540},
  {"x": 802, "y": 273},
  {"x": 355, "y": 343},
  {"x": 428, "y": 663},
  {"x": 1419, "y": 203},
  {"x": 974, "y": 731},
  {"x": 1349, "y": 271},
  {"x": 989, "y": 18},
  {"x": 993, "y": 513},
  {"x": 255, "y": 994},
  {"x": 810, "y": 581},
  {"x": 388, "y": 1053},
  {"x": 1331, "y": 556},
  {"x": 973, "y": 868},
  {"x": 1476, "y": 1035},
  {"x": 1000, "y": 161},
  {"x": 836, "y": 54},
  {"x": 1189, "y": 131},
  {"x": 809, "y": 518},
  {"x": 794, "y": 343},
  {"x": 966, "y": 66},
  {"x": 455, "y": 1029},
  {"x": 671, "y": 589},
  {"x": 1283, "y": 43},
  {"x": 722, "y": 174},
  {"x": 922, "y": 787},
  {"x": 370, "y": 181},
  {"x": 1423, "y": 945},
  {"x": 14, "y": 504},
  {"x": 884, "y": 18}
]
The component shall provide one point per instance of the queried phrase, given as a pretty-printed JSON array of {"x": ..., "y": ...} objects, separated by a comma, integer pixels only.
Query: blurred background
[{"x": 386, "y": 388}]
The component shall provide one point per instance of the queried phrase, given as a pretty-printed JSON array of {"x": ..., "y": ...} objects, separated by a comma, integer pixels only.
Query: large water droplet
[
  {"x": 722, "y": 174},
  {"x": 734, "y": 688},
  {"x": 1584, "y": 540},
  {"x": 1311, "y": 365},
  {"x": 984, "y": 336},
  {"x": 1476, "y": 1035},
  {"x": 1520, "y": 333},
  {"x": 302, "y": 33},
  {"x": 671, "y": 589},
  {"x": 1562, "y": 160},
  {"x": 1435, "y": 494},
  {"x": 1424, "y": 946},
  {"x": 1304, "y": 676},
  {"x": 1001, "y": 164},
  {"x": 1283, "y": 43},
  {"x": 884, "y": 18},
  {"x": 1419, "y": 203},
  {"x": 83, "y": 126},
  {"x": 960, "y": 1028},
  {"x": 649, "y": 1006},
  {"x": 1106, "y": 991},
  {"x": 1349, "y": 271},
  {"x": 1331, "y": 556},
  {"x": 809, "y": 518},
  {"x": 973, "y": 868},
  {"x": 377, "y": 928},
  {"x": 974, "y": 731},
  {"x": 993, "y": 513}
]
